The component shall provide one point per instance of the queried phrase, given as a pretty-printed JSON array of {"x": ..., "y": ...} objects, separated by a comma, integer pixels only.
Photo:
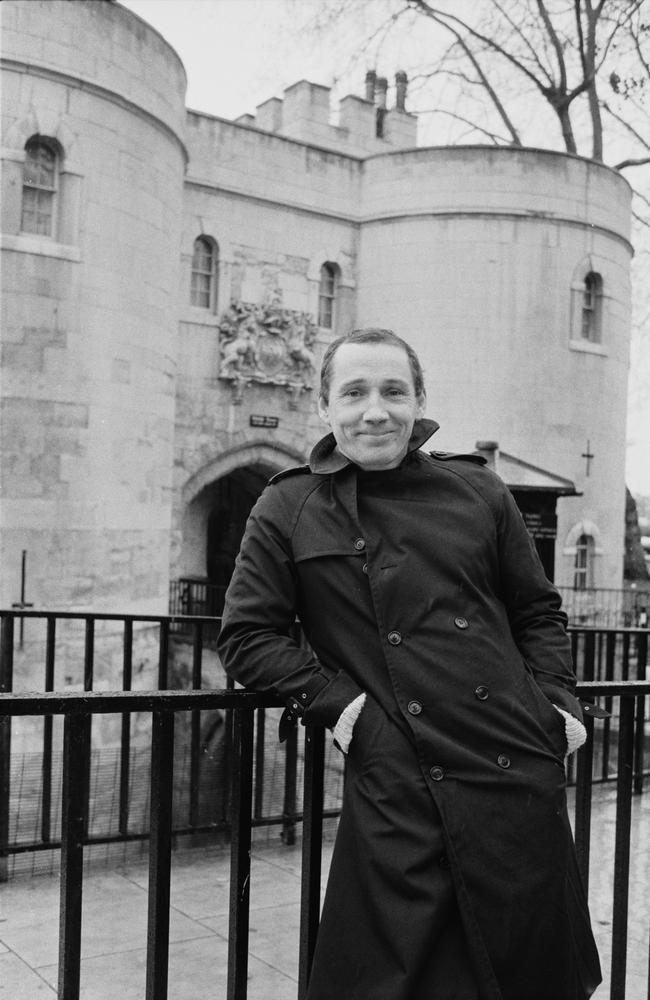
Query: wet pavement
[{"x": 115, "y": 920}]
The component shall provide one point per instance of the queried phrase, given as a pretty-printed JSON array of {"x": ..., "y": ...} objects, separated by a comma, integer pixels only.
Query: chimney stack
[
  {"x": 490, "y": 451},
  {"x": 401, "y": 82},
  {"x": 381, "y": 90},
  {"x": 371, "y": 79}
]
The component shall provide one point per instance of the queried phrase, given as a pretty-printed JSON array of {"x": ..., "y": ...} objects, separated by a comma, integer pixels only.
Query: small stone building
[{"x": 171, "y": 279}]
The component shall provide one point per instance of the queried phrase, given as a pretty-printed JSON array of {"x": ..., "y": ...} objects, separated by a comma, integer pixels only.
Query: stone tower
[{"x": 93, "y": 125}]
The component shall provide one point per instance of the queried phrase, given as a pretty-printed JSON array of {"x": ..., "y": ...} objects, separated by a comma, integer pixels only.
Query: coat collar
[{"x": 326, "y": 458}]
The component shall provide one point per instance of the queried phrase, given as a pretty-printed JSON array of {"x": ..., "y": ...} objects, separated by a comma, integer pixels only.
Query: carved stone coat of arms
[{"x": 268, "y": 344}]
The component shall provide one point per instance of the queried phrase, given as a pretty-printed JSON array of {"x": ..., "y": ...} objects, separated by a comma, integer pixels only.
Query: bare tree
[{"x": 571, "y": 74}]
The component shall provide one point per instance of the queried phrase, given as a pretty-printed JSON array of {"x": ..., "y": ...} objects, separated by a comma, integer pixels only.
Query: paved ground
[{"x": 115, "y": 916}]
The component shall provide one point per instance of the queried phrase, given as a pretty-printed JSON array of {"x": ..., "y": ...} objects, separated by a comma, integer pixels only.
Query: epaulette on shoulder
[
  {"x": 295, "y": 471},
  {"x": 448, "y": 456}
]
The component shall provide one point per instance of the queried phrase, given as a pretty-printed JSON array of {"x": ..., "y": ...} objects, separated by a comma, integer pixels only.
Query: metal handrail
[{"x": 77, "y": 709}]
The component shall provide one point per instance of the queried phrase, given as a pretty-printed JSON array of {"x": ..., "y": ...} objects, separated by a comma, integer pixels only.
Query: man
[{"x": 441, "y": 662}]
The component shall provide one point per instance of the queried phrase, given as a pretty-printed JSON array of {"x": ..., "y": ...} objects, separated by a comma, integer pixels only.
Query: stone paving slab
[{"x": 115, "y": 921}]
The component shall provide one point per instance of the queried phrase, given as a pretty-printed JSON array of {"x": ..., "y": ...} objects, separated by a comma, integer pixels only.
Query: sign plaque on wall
[{"x": 261, "y": 420}]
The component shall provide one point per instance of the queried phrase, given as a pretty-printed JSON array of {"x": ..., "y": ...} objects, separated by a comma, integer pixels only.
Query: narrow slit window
[
  {"x": 583, "y": 565},
  {"x": 327, "y": 296},
  {"x": 39, "y": 188},
  {"x": 591, "y": 307},
  {"x": 204, "y": 269}
]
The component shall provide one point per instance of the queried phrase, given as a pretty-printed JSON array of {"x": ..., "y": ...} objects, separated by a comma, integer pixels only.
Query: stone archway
[
  {"x": 232, "y": 498},
  {"x": 217, "y": 502}
]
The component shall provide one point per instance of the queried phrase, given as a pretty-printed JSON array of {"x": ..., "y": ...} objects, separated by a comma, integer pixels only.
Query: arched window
[
  {"x": 327, "y": 295},
  {"x": 584, "y": 563},
  {"x": 592, "y": 296},
  {"x": 203, "y": 288},
  {"x": 40, "y": 176}
]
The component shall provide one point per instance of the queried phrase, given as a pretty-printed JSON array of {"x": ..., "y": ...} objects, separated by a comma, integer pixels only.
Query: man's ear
[
  {"x": 422, "y": 404},
  {"x": 323, "y": 410}
]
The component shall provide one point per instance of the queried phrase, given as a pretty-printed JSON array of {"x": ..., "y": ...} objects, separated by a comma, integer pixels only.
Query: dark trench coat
[{"x": 454, "y": 874}]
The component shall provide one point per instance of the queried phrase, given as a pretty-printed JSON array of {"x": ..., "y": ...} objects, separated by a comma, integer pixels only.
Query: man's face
[{"x": 372, "y": 404}]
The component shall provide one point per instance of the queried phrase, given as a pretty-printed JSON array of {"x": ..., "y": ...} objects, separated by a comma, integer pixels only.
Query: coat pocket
[
  {"x": 367, "y": 743},
  {"x": 549, "y": 718}
]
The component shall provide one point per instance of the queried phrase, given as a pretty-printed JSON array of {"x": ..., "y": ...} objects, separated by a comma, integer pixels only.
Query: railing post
[
  {"x": 610, "y": 669},
  {"x": 6, "y": 685},
  {"x": 639, "y": 724},
  {"x": 162, "y": 779},
  {"x": 312, "y": 840},
  {"x": 46, "y": 768},
  {"x": 163, "y": 654},
  {"x": 290, "y": 788},
  {"x": 76, "y": 745},
  {"x": 226, "y": 786},
  {"x": 240, "y": 854},
  {"x": 583, "y": 801},
  {"x": 260, "y": 747},
  {"x": 89, "y": 679},
  {"x": 589, "y": 662},
  {"x": 195, "y": 728},
  {"x": 125, "y": 741},
  {"x": 622, "y": 847}
]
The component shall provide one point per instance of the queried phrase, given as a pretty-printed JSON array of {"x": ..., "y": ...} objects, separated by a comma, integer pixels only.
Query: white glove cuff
[
  {"x": 343, "y": 730},
  {"x": 576, "y": 734}
]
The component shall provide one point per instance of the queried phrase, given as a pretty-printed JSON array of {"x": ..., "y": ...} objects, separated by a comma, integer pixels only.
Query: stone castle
[{"x": 171, "y": 279}]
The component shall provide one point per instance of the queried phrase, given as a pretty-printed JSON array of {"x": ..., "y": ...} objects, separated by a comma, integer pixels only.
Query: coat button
[
  {"x": 394, "y": 638},
  {"x": 437, "y": 773},
  {"x": 482, "y": 692},
  {"x": 503, "y": 760},
  {"x": 414, "y": 707},
  {"x": 461, "y": 622},
  {"x": 360, "y": 544},
  {"x": 365, "y": 568}
]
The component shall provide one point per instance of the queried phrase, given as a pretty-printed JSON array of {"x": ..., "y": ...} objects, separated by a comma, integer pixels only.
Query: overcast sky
[{"x": 238, "y": 53}]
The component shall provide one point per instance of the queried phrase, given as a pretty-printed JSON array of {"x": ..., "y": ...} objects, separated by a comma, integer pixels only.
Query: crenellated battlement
[{"x": 366, "y": 124}]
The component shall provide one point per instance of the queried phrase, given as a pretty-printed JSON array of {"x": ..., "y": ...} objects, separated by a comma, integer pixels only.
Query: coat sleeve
[
  {"x": 258, "y": 642},
  {"x": 537, "y": 622}
]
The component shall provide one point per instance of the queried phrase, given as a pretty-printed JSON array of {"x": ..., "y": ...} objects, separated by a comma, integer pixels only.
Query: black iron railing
[
  {"x": 192, "y": 595},
  {"x": 78, "y": 709},
  {"x": 54, "y": 644},
  {"x": 62, "y": 649},
  {"x": 607, "y": 607},
  {"x": 611, "y": 664}
]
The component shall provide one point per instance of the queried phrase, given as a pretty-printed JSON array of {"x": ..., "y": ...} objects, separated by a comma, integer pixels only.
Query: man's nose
[{"x": 375, "y": 410}]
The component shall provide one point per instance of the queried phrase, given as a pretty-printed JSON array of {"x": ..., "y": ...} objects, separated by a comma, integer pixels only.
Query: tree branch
[
  {"x": 498, "y": 140},
  {"x": 555, "y": 42},
  {"x": 524, "y": 38},
  {"x": 644, "y": 142},
  {"x": 435, "y": 16},
  {"x": 556, "y": 95},
  {"x": 641, "y": 220},
  {"x": 632, "y": 163},
  {"x": 438, "y": 16}
]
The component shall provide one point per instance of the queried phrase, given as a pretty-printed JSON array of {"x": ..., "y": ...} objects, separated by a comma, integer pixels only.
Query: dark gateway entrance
[
  {"x": 226, "y": 504},
  {"x": 233, "y": 499}
]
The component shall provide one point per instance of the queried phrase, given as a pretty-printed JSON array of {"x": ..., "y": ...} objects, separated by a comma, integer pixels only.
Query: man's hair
[{"x": 369, "y": 335}]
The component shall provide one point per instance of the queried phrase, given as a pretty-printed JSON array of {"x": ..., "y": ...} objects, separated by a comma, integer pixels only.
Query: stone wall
[
  {"x": 89, "y": 335},
  {"x": 478, "y": 257}
]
